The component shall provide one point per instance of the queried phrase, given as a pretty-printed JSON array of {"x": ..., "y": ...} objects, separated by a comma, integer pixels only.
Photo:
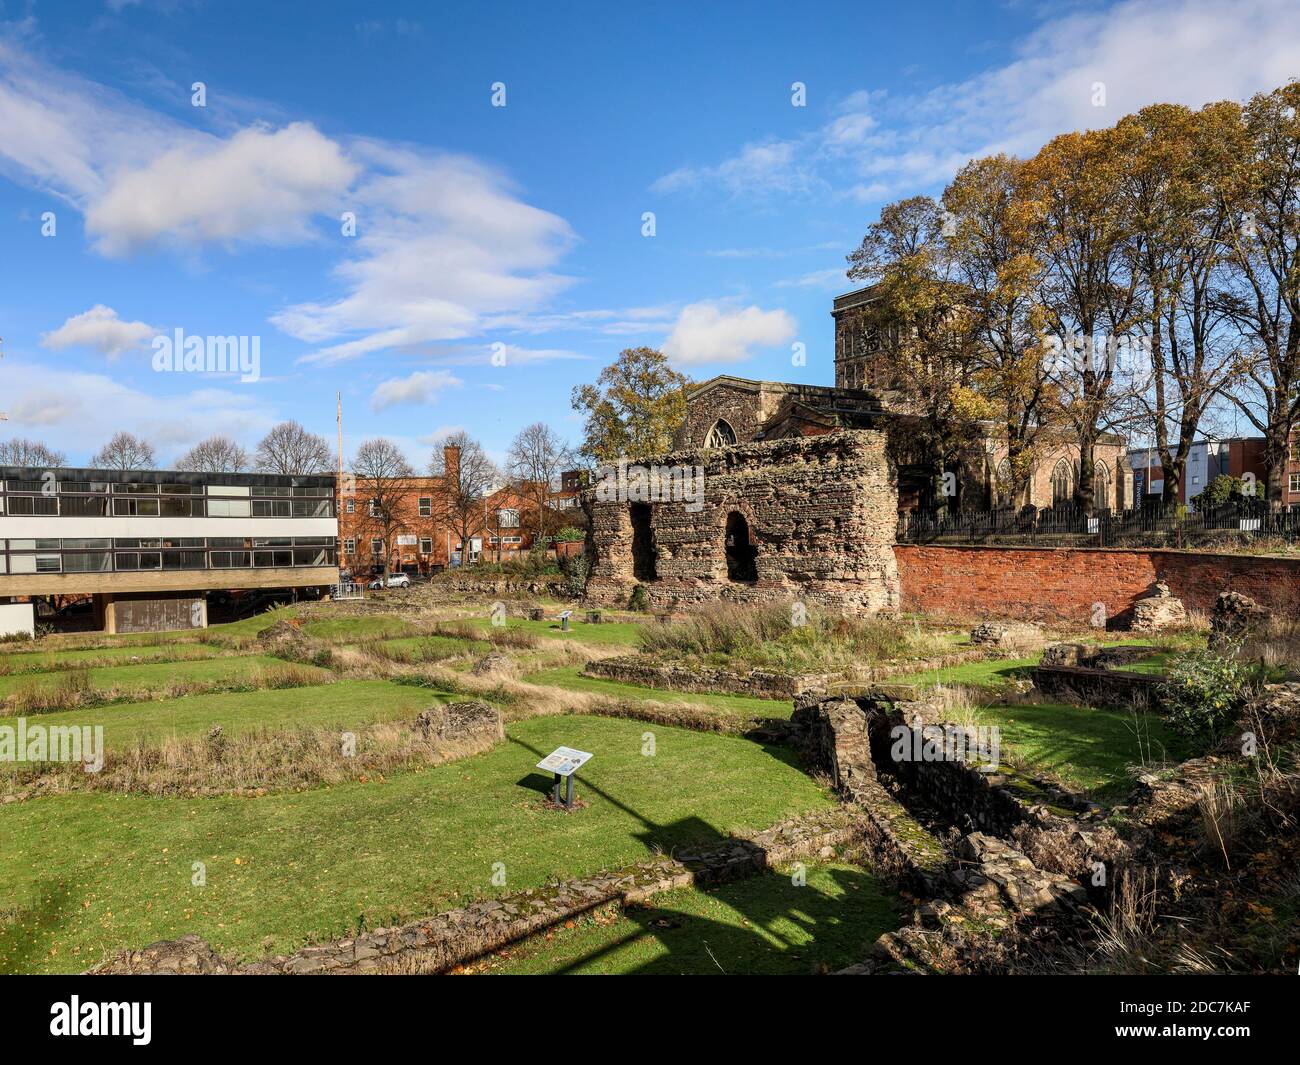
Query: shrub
[
  {"x": 576, "y": 571},
  {"x": 1205, "y": 691},
  {"x": 639, "y": 600}
]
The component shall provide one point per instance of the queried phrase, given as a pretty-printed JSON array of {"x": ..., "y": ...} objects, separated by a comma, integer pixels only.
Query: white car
[{"x": 395, "y": 580}]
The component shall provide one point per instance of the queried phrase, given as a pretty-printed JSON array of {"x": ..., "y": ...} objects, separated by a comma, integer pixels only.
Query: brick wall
[{"x": 1054, "y": 583}]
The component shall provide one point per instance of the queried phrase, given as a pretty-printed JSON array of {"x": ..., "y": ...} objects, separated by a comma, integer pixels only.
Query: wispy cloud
[{"x": 1141, "y": 51}]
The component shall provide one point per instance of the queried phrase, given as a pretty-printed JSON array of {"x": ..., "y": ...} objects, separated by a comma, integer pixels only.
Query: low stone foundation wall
[
  {"x": 1099, "y": 687},
  {"x": 758, "y": 683},
  {"x": 457, "y": 936}
]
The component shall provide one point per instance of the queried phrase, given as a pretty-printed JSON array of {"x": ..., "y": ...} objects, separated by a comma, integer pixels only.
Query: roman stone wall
[{"x": 821, "y": 514}]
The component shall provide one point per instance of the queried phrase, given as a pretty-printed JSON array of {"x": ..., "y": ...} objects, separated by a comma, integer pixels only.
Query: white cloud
[
  {"x": 423, "y": 386},
  {"x": 833, "y": 278},
  {"x": 78, "y": 412},
  {"x": 259, "y": 184},
  {"x": 442, "y": 242},
  {"x": 1143, "y": 51},
  {"x": 99, "y": 328},
  {"x": 710, "y": 332}
]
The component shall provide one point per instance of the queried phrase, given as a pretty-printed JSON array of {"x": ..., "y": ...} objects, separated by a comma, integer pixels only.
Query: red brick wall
[{"x": 1045, "y": 583}]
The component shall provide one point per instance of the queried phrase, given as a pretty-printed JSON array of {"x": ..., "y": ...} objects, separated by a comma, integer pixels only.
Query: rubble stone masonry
[{"x": 819, "y": 513}]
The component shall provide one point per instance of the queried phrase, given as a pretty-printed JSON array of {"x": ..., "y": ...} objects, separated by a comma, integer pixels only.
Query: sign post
[{"x": 564, "y": 762}]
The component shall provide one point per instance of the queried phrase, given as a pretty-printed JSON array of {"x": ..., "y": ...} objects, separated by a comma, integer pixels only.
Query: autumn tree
[
  {"x": 1176, "y": 225},
  {"x": 289, "y": 448},
  {"x": 1089, "y": 290},
  {"x": 998, "y": 264},
  {"x": 18, "y": 451},
  {"x": 467, "y": 476},
  {"x": 634, "y": 408},
  {"x": 125, "y": 451},
  {"x": 382, "y": 474},
  {"x": 919, "y": 310},
  {"x": 536, "y": 458},
  {"x": 1261, "y": 195}
]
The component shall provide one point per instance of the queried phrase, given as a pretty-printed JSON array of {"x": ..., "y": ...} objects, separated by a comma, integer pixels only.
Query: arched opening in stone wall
[
  {"x": 742, "y": 555},
  {"x": 721, "y": 435},
  {"x": 643, "y": 543}
]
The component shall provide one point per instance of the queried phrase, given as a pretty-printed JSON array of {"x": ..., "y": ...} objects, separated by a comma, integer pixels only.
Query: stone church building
[{"x": 801, "y": 492}]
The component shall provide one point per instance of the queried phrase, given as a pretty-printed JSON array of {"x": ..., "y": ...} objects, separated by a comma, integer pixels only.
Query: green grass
[
  {"x": 568, "y": 678},
  {"x": 345, "y": 703},
  {"x": 434, "y": 647},
  {"x": 158, "y": 675},
  {"x": 363, "y": 627},
  {"x": 88, "y": 874},
  {"x": 987, "y": 673},
  {"x": 1156, "y": 665},
  {"x": 1088, "y": 749},
  {"x": 37, "y": 661},
  {"x": 614, "y": 632},
  {"x": 764, "y": 926}
]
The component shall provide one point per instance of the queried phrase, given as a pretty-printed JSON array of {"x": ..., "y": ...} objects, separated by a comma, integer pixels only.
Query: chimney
[{"x": 451, "y": 463}]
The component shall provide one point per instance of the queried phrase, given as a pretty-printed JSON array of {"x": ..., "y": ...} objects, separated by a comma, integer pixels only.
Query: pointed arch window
[
  {"x": 721, "y": 435},
  {"x": 1101, "y": 487},
  {"x": 1062, "y": 484}
]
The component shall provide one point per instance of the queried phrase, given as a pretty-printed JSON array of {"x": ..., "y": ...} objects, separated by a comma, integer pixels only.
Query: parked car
[{"x": 395, "y": 580}]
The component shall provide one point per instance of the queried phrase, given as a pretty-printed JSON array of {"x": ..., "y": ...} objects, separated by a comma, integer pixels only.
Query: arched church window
[
  {"x": 1062, "y": 484},
  {"x": 721, "y": 435}
]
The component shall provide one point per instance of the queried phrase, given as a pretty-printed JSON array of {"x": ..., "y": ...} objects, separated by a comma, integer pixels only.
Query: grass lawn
[
  {"x": 362, "y": 627},
  {"x": 1156, "y": 665},
  {"x": 763, "y": 926},
  {"x": 435, "y": 647},
  {"x": 36, "y": 661},
  {"x": 614, "y": 632},
  {"x": 568, "y": 679},
  {"x": 346, "y": 703},
  {"x": 1088, "y": 749},
  {"x": 155, "y": 675},
  {"x": 988, "y": 673},
  {"x": 88, "y": 874},
  {"x": 992, "y": 672}
]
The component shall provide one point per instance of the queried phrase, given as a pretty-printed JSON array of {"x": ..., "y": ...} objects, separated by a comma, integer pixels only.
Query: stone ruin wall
[{"x": 821, "y": 513}]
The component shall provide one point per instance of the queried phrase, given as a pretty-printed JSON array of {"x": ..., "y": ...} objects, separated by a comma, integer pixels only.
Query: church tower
[{"x": 858, "y": 350}]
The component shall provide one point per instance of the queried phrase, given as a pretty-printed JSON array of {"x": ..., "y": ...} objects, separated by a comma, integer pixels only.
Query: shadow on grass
[
  {"x": 762, "y": 924},
  {"x": 766, "y": 925},
  {"x": 1089, "y": 749},
  {"x": 32, "y": 927}
]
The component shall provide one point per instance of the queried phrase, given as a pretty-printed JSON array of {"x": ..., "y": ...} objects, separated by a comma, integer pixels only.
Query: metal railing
[
  {"x": 1067, "y": 526},
  {"x": 348, "y": 590}
]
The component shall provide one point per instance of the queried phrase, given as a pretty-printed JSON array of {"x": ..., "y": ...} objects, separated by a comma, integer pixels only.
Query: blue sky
[{"x": 515, "y": 229}]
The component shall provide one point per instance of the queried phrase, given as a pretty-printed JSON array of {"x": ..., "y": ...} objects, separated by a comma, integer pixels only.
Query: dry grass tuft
[{"x": 251, "y": 763}]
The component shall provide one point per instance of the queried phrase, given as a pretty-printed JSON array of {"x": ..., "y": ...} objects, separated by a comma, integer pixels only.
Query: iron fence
[{"x": 1071, "y": 527}]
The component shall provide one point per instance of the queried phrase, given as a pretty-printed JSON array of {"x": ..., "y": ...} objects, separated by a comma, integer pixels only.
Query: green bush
[
  {"x": 639, "y": 600},
  {"x": 1204, "y": 692},
  {"x": 576, "y": 570}
]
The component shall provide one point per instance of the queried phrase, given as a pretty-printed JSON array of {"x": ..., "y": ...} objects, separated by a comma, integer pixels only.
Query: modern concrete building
[{"x": 148, "y": 544}]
